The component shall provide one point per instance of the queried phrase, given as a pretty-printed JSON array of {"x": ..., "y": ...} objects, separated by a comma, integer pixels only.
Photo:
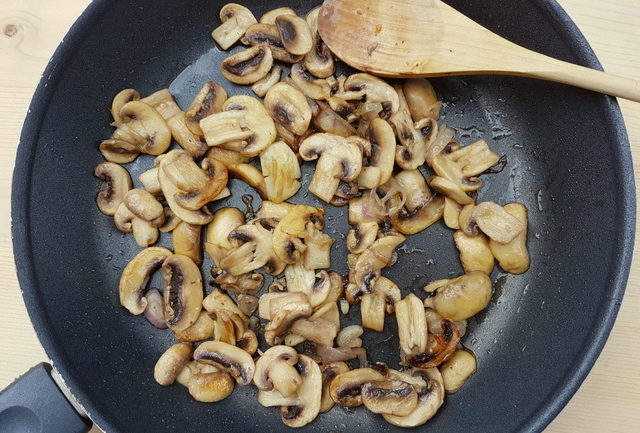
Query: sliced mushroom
[
  {"x": 327, "y": 120},
  {"x": 228, "y": 358},
  {"x": 462, "y": 297},
  {"x": 513, "y": 256},
  {"x": 329, "y": 373},
  {"x": 292, "y": 228},
  {"x": 421, "y": 99},
  {"x": 208, "y": 101},
  {"x": 261, "y": 87},
  {"x": 210, "y": 387},
  {"x": 251, "y": 176},
  {"x": 302, "y": 280},
  {"x": 202, "y": 329},
  {"x": 144, "y": 206},
  {"x": 429, "y": 401},
  {"x": 248, "y": 342},
  {"x": 412, "y": 325},
  {"x": 143, "y": 127},
  {"x": 319, "y": 60},
  {"x": 236, "y": 19},
  {"x": 163, "y": 102},
  {"x": 115, "y": 183},
  {"x": 186, "y": 241},
  {"x": 171, "y": 363},
  {"x": 374, "y": 305},
  {"x": 339, "y": 158},
  {"x": 255, "y": 250},
  {"x": 379, "y": 166},
  {"x": 281, "y": 171},
  {"x": 346, "y": 388},
  {"x": 269, "y": 209},
  {"x": 392, "y": 397},
  {"x": 375, "y": 90},
  {"x": 442, "y": 345},
  {"x": 451, "y": 213},
  {"x": 295, "y": 34},
  {"x": 189, "y": 141},
  {"x": 230, "y": 323},
  {"x": 421, "y": 208},
  {"x": 270, "y": 17},
  {"x": 248, "y": 66},
  {"x": 201, "y": 216},
  {"x": 135, "y": 276},
  {"x": 457, "y": 370},
  {"x": 316, "y": 329},
  {"x": 149, "y": 180},
  {"x": 362, "y": 236},
  {"x": 493, "y": 220},
  {"x": 289, "y": 107},
  {"x": 475, "y": 254},
  {"x": 317, "y": 89},
  {"x": 183, "y": 292},
  {"x": 317, "y": 255},
  {"x": 244, "y": 126},
  {"x": 119, "y": 151},
  {"x": 144, "y": 232},
  {"x": 267, "y": 35},
  {"x": 283, "y": 311},
  {"x": 124, "y": 96},
  {"x": 229, "y": 158},
  {"x": 241, "y": 284},
  {"x": 217, "y": 242},
  {"x": 349, "y": 336},
  {"x": 275, "y": 369},
  {"x": 154, "y": 311}
]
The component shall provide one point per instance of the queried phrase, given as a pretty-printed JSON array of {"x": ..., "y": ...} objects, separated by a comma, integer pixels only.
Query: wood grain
[{"x": 30, "y": 30}]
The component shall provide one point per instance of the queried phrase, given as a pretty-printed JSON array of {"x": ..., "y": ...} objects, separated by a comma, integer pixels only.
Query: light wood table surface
[{"x": 609, "y": 399}]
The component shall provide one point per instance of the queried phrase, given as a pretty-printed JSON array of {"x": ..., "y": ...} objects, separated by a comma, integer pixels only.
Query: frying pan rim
[{"x": 21, "y": 234}]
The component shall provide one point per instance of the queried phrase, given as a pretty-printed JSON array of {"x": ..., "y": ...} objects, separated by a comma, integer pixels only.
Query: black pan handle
[{"x": 34, "y": 403}]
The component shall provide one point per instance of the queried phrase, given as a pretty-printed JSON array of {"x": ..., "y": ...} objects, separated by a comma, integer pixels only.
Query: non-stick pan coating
[{"x": 568, "y": 162}]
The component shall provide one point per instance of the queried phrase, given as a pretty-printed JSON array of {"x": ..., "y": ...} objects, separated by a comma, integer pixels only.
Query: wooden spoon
[{"x": 425, "y": 38}]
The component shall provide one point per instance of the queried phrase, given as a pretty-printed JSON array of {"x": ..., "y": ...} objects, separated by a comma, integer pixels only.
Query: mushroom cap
[
  {"x": 217, "y": 241},
  {"x": 248, "y": 66},
  {"x": 270, "y": 17},
  {"x": 116, "y": 182},
  {"x": 183, "y": 292},
  {"x": 295, "y": 34},
  {"x": 144, "y": 206},
  {"x": 135, "y": 276},
  {"x": 227, "y": 357}
]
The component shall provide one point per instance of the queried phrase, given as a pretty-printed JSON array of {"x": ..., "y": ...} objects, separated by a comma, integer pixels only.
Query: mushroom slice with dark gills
[
  {"x": 414, "y": 139},
  {"x": 513, "y": 256},
  {"x": 208, "y": 101},
  {"x": 236, "y": 19},
  {"x": 457, "y": 167},
  {"x": 339, "y": 159},
  {"x": 430, "y": 399},
  {"x": 230, "y": 324},
  {"x": 317, "y": 89},
  {"x": 346, "y": 388},
  {"x": 228, "y": 358},
  {"x": 144, "y": 127},
  {"x": 119, "y": 151},
  {"x": 124, "y": 96},
  {"x": 300, "y": 409},
  {"x": 301, "y": 280},
  {"x": 199, "y": 186},
  {"x": 288, "y": 235},
  {"x": 375, "y": 90},
  {"x": 442, "y": 345},
  {"x": 192, "y": 143},
  {"x": 248, "y": 66},
  {"x": 493, "y": 220},
  {"x": 374, "y": 305},
  {"x": 378, "y": 167},
  {"x": 217, "y": 241},
  {"x": 329, "y": 373},
  {"x": 281, "y": 171},
  {"x": 283, "y": 312},
  {"x": 254, "y": 251},
  {"x": 135, "y": 276},
  {"x": 421, "y": 99},
  {"x": 261, "y": 87},
  {"x": 140, "y": 213},
  {"x": 243, "y": 126},
  {"x": 392, "y": 397},
  {"x": 362, "y": 236},
  {"x": 295, "y": 34},
  {"x": 421, "y": 208},
  {"x": 367, "y": 266},
  {"x": 183, "y": 292},
  {"x": 115, "y": 183},
  {"x": 289, "y": 107},
  {"x": 319, "y": 61},
  {"x": 267, "y": 35},
  {"x": 275, "y": 370}
]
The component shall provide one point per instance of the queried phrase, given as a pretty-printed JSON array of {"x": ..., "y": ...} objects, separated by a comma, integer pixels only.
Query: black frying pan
[{"x": 569, "y": 162}]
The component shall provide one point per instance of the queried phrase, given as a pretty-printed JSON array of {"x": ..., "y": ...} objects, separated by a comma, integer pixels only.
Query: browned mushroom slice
[
  {"x": 228, "y": 358},
  {"x": 475, "y": 254},
  {"x": 329, "y": 373},
  {"x": 270, "y": 17},
  {"x": 389, "y": 396},
  {"x": 202, "y": 329},
  {"x": 327, "y": 120},
  {"x": 319, "y": 61},
  {"x": 289, "y": 107},
  {"x": 283, "y": 312},
  {"x": 217, "y": 242},
  {"x": 451, "y": 213},
  {"x": 249, "y": 66},
  {"x": 493, "y": 220},
  {"x": 143, "y": 127},
  {"x": 275, "y": 370},
  {"x": 412, "y": 325},
  {"x": 119, "y": 151},
  {"x": 421, "y": 99},
  {"x": 186, "y": 241},
  {"x": 379, "y": 164},
  {"x": 430, "y": 398},
  {"x": 227, "y": 157},
  {"x": 183, "y": 292},
  {"x": 457, "y": 370},
  {"x": 135, "y": 276},
  {"x": 261, "y": 87},
  {"x": 251, "y": 176},
  {"x": 513, "y": 256},
  {"x": 281, "y": 172},
  {"x": 171, "y": 363},
  {"x": 362, "y": 236},
  {"x": 170, "y": 190},
  {"x": 415, "y": 139},
  {"x": 236, "y": 19},
  {"x": 185, "y": 138},
  {"x": 210, "y": 387},
  {"x": 339, "y": 158},
  {"x": 144, "y": 206},
  {"x": 317, "y": 89},
  {"x": 374, "y": 305},
  {"x": 208, "y": 101},
  {"x": 295, "y": 34},
  {"x": 140, "y": 213},
  {"x": 149, "y": 180},
  {"x": 124, "y": 96},
  {"x": 115, "y": 183},
  {"x": 444, "y": 346},
  {"x": 421, "y": 208},
  {"x": 346, "y": 388},
  {"x": 375, "y": 90},
  {"x": 292, "y": 228},
  {"x": 267, "y": 35},
  {"x": 463, "y": 297},
  {"x": 163, "y": 102}
]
